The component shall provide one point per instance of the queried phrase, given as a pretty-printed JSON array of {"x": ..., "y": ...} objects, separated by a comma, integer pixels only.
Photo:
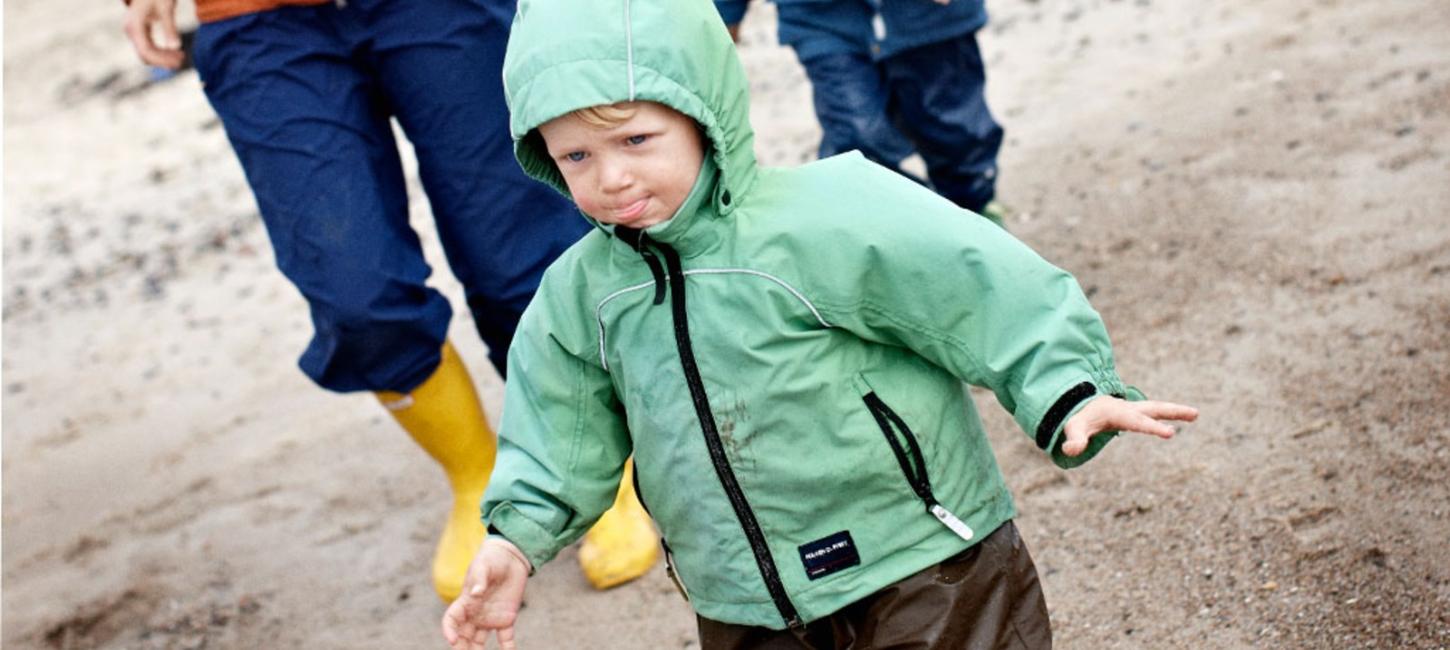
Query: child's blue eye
[
  {"x": 575, "y": 156},
  {"x": 636, "y": 139}
]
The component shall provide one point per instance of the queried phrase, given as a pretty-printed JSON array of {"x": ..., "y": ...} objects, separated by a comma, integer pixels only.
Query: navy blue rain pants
[
  {"x": 305, "y": 94},
  {"x": 930, "y": 98}
]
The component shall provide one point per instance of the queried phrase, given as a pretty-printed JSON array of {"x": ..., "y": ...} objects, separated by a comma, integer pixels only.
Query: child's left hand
[{"x": 1108, "y": 413}]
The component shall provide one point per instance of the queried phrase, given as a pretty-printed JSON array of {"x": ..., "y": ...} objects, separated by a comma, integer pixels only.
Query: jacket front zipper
[{"x": 676, "y": 277}]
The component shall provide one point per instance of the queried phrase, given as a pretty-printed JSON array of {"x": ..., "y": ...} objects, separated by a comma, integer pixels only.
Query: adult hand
[
  {"x": 1107, "y": 413},
  {"x": 151, "y": 26},
  {"x": 492, "y": 593}
]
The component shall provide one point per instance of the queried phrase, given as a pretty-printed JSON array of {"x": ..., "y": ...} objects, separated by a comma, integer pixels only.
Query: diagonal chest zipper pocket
[{"x": 913, "y": 462}]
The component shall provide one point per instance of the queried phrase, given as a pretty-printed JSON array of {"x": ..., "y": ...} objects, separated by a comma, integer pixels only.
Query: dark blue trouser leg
[
  {"x": 312, "y": 133},
  {"x": 851, "y": 99},
  {"x": 305, "y": 95},
  {"x": 499, "y": 228},
  {"x": 937, "y": 95}
]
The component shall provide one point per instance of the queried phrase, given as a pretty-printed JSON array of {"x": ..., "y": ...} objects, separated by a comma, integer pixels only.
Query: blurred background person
[
  {"x": 306, "y": 91},
  {"x": 890, "y": 77}
]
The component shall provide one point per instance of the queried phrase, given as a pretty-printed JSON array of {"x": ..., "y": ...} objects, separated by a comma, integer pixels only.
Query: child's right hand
[{"x": 492, "y": 593}]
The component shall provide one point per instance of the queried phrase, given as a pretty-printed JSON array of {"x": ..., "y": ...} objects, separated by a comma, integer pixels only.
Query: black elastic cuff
[{"x": 1059, "y": 411}]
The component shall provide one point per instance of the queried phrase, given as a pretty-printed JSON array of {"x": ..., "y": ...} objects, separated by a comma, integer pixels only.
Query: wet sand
[{"x": 1254, "y": 196}]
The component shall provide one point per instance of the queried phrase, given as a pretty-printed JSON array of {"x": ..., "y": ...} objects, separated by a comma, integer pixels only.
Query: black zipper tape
[
  {"x": 748, "y": 522},
  {"x": 637, "y": 240},
  {"x": 913, "y": 463}
]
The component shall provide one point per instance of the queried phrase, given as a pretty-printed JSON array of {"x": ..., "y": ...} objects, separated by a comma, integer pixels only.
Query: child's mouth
[{"x": 631, "y": 211}]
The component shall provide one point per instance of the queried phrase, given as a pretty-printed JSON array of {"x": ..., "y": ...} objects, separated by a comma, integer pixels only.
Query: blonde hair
[{"x": 606, "y": 116}]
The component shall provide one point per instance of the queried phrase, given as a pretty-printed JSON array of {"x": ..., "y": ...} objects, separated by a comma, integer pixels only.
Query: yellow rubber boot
[
  {"x": 445, "y": 418},
  {"x": 622, "y": 545}
]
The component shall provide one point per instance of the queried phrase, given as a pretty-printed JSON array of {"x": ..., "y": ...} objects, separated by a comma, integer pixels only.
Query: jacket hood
[{"x": 564, "y": 55}]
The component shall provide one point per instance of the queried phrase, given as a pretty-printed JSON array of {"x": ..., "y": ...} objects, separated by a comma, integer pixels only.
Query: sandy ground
[{"x": 1256, "y": 195}]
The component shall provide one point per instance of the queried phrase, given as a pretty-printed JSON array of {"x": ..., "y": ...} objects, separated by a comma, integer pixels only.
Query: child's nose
[{"x": 614, "y": 176}]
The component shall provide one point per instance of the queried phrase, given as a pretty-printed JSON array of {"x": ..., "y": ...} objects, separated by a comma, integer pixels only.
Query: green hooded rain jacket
[{"x": 784, "y": 358}]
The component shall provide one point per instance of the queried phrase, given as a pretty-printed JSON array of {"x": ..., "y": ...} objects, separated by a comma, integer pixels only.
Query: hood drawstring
[{"x": 640, "y": 241}]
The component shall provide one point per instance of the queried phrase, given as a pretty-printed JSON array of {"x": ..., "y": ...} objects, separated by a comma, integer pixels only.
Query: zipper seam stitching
[
  {"x": 910, "y": 463},
  {"x": 917, "y": 457},
  {"x": 765, "y": 562}
]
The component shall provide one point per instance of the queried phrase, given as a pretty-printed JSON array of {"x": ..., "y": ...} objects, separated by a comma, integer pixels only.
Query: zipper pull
[{"x": 950, "y": 521}]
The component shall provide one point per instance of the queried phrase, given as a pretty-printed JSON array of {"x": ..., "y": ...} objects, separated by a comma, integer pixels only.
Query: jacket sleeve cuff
[
  {"x": 536, "y": 543},
  {"x": 497, "y": 539},
  {"x": 1049, "y": 432}
]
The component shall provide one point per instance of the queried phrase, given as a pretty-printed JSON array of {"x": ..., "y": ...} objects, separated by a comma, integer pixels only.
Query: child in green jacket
[{"x": 781, "y": 350}]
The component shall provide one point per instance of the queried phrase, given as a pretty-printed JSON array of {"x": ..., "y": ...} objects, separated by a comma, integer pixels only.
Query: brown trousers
[{"x": 985, "y": 597}]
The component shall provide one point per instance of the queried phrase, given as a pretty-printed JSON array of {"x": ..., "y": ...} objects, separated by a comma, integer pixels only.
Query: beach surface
[{"x": 1256, "y": 196}]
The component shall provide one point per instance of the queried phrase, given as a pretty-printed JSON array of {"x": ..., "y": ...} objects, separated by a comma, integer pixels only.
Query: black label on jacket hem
[{"x": 829, "y": 555}]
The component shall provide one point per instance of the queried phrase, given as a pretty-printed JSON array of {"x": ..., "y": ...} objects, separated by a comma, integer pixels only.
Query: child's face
[{"x": 635, "y": 174}]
